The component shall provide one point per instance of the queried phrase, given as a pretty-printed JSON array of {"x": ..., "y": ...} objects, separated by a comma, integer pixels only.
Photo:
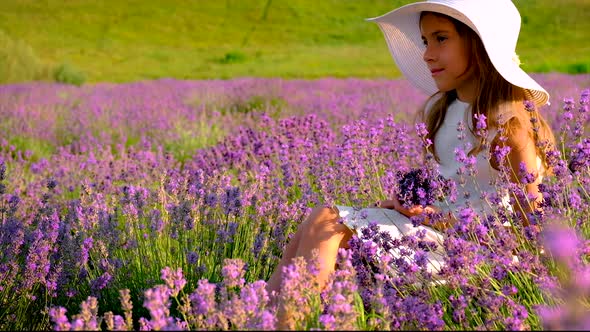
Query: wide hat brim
[{"x": 401, "y": 28}]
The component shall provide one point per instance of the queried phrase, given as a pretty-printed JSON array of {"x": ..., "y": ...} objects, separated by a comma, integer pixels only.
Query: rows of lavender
[{"x": 166, "y": 205}]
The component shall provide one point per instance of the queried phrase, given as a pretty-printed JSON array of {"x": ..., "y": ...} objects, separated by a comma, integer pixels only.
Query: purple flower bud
[{"x": 418, "y": 187}]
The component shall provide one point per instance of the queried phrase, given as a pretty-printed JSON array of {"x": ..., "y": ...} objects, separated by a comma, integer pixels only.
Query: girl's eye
[
  {"x": 441, "y": 39},
  {"x": 424, "y": 42}
]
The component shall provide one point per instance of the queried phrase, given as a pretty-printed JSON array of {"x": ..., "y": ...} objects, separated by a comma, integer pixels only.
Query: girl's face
[{"x": 447, "y": 56}]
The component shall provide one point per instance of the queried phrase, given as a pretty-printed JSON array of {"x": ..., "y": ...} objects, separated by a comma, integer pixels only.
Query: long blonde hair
[{"x": 495, "y": 96}]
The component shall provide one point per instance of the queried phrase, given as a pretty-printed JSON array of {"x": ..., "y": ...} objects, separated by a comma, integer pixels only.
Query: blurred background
[{"x": 86, "y": 41}]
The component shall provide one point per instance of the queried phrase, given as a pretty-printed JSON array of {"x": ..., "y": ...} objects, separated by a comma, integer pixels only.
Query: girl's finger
[
  {"x": 388, "y": 204},
  {"x": 416, "y": 209}
]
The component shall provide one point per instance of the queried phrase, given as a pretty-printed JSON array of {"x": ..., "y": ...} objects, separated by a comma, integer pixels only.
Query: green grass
[
  {"x": 199, "y": 135},
  {"x": 130, "y": 40}
]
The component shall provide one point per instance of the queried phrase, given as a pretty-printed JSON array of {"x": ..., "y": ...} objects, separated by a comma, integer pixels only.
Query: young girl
[{"x": 462, "y": 53}]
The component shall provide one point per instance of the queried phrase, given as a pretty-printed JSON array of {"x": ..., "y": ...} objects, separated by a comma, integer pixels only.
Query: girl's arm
[{"x": 523, "y": 151}]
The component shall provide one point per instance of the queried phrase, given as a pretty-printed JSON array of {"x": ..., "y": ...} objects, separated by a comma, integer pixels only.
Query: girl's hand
[
  {"x": 408, "y": 212},
  {"x": 414, "y": 211}
]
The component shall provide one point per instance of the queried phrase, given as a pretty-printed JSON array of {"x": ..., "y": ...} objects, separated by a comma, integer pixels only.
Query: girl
[{"x": 458, "y": 53}]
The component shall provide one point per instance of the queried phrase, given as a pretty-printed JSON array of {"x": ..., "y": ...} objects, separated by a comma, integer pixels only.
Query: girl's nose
[{"x": 428, "y": 54}]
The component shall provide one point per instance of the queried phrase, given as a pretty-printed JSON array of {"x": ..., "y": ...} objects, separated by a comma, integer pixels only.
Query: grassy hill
[{"x": 128, "y": 40}]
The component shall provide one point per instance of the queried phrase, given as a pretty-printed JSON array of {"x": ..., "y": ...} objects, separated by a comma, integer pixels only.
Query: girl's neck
[
  {"x": 467, "y": 91},
  {"x": 464, "y": 101}
]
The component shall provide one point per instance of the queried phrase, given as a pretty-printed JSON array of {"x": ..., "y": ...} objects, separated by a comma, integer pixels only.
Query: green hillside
[{"x": 127, "y": 40}]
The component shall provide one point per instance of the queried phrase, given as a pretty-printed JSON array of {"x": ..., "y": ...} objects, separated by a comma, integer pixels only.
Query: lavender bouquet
[{"x": 420, "y": 187}]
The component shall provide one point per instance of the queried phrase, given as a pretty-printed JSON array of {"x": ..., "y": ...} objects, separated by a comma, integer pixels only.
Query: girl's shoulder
[{"x": 515, "y": 121}]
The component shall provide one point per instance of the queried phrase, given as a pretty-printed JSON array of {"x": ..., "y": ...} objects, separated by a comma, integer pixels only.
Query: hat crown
[{"x": 482, "y": 16}]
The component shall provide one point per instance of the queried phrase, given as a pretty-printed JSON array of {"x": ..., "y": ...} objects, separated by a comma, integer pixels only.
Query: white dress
[{"x": 446, "y": 141}]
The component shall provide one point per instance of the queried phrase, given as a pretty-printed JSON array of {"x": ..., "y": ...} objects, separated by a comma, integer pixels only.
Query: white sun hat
[{"x": 497, "y": 22}]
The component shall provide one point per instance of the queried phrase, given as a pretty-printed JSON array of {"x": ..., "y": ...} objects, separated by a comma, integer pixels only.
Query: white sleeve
[{"x": 504, "y": 114}]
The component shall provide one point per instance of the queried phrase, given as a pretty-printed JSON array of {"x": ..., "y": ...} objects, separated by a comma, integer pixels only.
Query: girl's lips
[{"x": 435, "y": 72}]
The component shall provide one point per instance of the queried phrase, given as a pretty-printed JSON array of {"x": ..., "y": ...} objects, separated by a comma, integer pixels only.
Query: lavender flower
[
  {"x": 233, "y": 273},
  {"x": 418, "y": 187},
  {"x": 158, "y": 304},
  {"x": 174, "y": 280},
  {"x": 59, "y": 318},
  {"x": 100, "y": 283},
  {"x": 580, "y": 156},
  {"x": 340, "y": 313}
]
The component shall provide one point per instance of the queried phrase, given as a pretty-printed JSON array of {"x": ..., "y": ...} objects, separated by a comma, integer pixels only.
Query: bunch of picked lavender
[{"x": 420, "y": 187}]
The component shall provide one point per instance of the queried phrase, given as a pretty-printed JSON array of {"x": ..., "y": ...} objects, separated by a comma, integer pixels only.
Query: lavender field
[{"x": 166, "y": 205}]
